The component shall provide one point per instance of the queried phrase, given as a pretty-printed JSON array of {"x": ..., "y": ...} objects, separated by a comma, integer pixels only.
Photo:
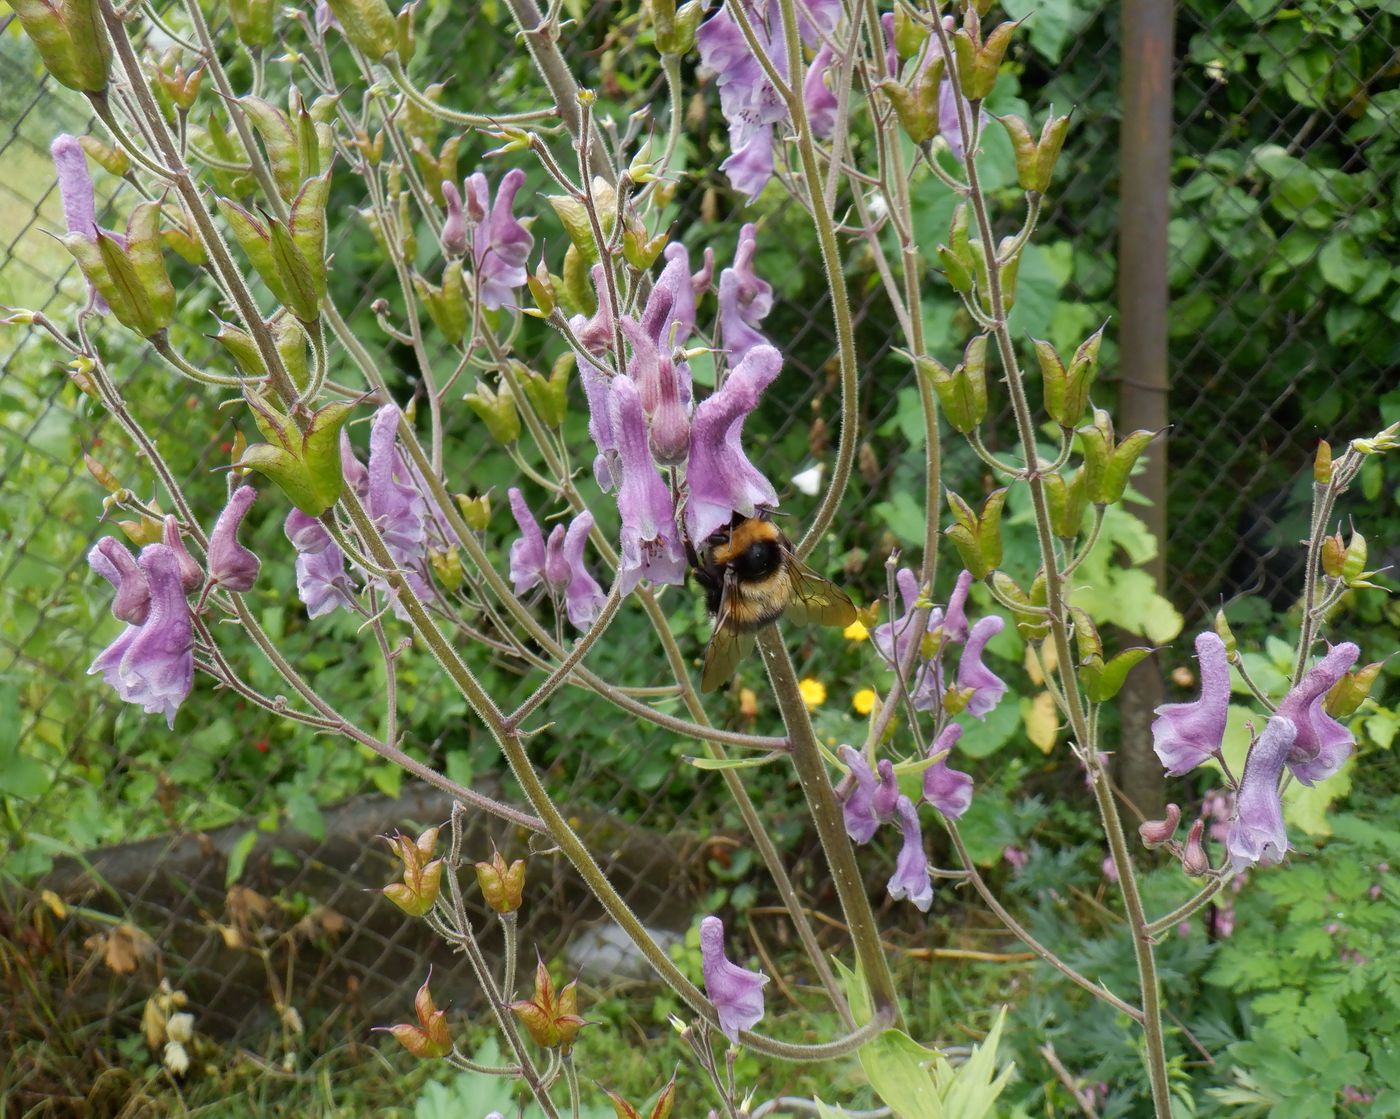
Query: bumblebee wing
[
  {"x": 728, "y": 645},
  {"x": 816, "y": 601}
]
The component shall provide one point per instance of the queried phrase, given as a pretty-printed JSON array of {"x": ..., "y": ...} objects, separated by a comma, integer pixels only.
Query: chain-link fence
[{"x": 238, "y": 860}]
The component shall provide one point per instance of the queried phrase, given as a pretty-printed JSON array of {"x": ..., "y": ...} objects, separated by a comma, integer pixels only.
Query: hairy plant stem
[
  {"x": 831, "y": 827},
  {"x": 1181, "y": 912},
  {"x": 1324, "y": 496},
  {"x": 1056, "y": 595}
]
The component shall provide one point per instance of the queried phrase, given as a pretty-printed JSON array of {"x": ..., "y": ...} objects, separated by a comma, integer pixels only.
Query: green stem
[
  {"x": 1181, "y": 912},
  {"x": 453, "y": 116}
]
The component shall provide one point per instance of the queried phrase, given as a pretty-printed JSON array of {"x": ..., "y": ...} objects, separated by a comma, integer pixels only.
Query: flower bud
[
  {"x": 1157, "y": 833},
  {"x": 369, "y": 25},
  {"x": 1225, "y": 633},
  {"x": 962, "y": 393},
  {"x": 1066, "y": 391},
  {"x": 675, "y": 27},
  {"x": 1194, "y": 860},
  {"x": 909, "y": 34},
  {"x": 979, "y": 60},
  {"x": 70, "y": 39},
  {"x": 1067, "y": 501},
  {"x": 917, "y": 108},
  {"x": 542, "y": 291},
  {"x": 1334, "y": 554},
  {"x": 1108, "y": 463},
  {"x": 1035, "y": 160},
  {"x": 1354, "y": 561},
  {"x": 550, "y": 395},
  {"x": 1322, "y": 463},
  {"x": 111, "y": 159},
  {"x": 502, "y": 886},
  {"x": 447, "y": 567}
]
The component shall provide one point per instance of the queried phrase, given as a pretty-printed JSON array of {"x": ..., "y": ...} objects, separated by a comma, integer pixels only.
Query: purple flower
[
  {"x": 886, "y": 795},
  {"x": 817, "y": 94},
  {"x": 153, "y": 665},
  {"x": 948, "y": 125},
  {"x": 397, "y": 507},
  {"x": 720, "y": 479},
  {"x": 651, "y": 544},
  {"x": 232, "y": 565},
  {"x": 948, "y": 790},
  {"x": 1322, "y": 744},
  {"x": 1186, "y": 734},
  {"x": 597, "y": 388},
  {"x": 322, "y": 582},
  {"x": 76, "y": 192},
  {"x": 110, "y": 558},
  {"x": 353, "y": 470},
  {"x": 744, "y": 299},
  {"x": 736, "y": 992},
  {"x": 191, "y": 574},
  {"x": 911, "y": 877},
  {"x": 670, "y": 423},
  {"x": 955, "y": 626},
  {"x": 891, "y": 54},
  {"x": 988, "y": 687},
  {"x": 892, "y": 639},
  {"x": 1257, "y": 833},
  {"x": 500, "y": 244},
  {"x": 566, "y": 574},
  {"x": 596, "y": 334},
  {"x": 750, "y": 163},
  {"x": 527, "y": 554},
  {"x": 859, "y": 809},
  {"x": 685, "y": 288},
  {"x": 454, "y": 228}
]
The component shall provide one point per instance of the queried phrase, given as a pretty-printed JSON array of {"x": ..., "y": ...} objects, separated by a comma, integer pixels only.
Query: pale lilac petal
[
  {"x": 911, "y": 878},
  {"x": 651, "y": 545},
  {"x": 75, "y": 188},
  {"x": 501, "y": 245},
  {"x": 955, "y": 624},
  {"x": 749, "y": 167},
  {"x": 596, "y": 334},
  {"x": 597, "y": 389},
  {"x": 736, "y": 992},
  {"x": 1257, "y": 833},
  {"x": 858, "y": 810},
  {"x": 886, "y": 795},
  {"x": 108, "y": 662},
  {"x": 157, "y": 668},
  {"x": 322, "y": 581},
  {"x": 191, "y": 574},
  {"x": 232, "y": 565},
  {"x": 454, "y": 228},
  {"x": 397, "y": 507},
  {"x": 947, "y": 789},
  {"x": 111, "y": 559},
  {"x": 1186, "y": 734},
  {"x": 1322, "y": 744},
  {"x": 583, "y": 598},
  {"x": 988, "y": 687},
  {"x": 527, "y": 554},
  {"x": 817, "y": 94}
]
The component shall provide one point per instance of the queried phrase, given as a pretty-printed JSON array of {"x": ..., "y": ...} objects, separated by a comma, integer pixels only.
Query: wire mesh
[{"x": 297, "y": 929}]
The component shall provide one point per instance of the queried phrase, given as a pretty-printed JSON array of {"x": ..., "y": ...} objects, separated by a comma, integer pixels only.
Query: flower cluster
[
  {"x": 151, "y": 662},
  {"x": 1300, "y": 736},
  {"x": 557, "y": 564},
  {"x": 498, "y": 242}
]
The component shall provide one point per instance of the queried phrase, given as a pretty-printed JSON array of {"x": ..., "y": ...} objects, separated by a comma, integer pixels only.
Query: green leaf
[
  {"x": 1306, "y": 808},
  {"x": 238, "y": 856},
  {"x": 857, "y": 992},
  {"x": 986, "y": 736},
  {"x": 1342, "y": 263},
  {"x": 736, "y": 763},
  {"x": 898, "y": 1069}
]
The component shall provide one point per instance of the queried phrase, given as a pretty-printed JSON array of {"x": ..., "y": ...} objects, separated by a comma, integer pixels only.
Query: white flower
[
  {"x": 809, "y": 481},
  {"x": 180, "y": 1027},
  {"x": 176, "y": 1059}
]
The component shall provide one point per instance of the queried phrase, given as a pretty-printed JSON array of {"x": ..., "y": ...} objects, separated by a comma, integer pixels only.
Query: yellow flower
[
  {"x": 856, "y": 631},
  {"x": 813, "y": 691},
  {"x": 864, "y": 701}
]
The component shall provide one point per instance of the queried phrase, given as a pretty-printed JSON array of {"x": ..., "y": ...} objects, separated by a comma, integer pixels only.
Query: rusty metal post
[{"x": 1143, "y": 307}]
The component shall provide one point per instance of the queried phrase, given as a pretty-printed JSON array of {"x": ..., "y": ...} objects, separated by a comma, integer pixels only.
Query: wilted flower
[
  {"x": 720, "y": 478},
  {"x": 322, "y": 581},
  {"x": 1322, "y": 744},
  {"x": 232, "y": 565},
  {"x": 111, "y": 559},
  {"x": 1186, "y": 734},
  {"x": 947, "y": 789},
  {"x": 736, "y": 992},
  {"x": 988, "y": 687},
  {"x": 1257, "y": 833},
  {"x": 911, "y": 877},
  {"x": 500, "y": 244},
  {"x": 153, "y": 664},
  {"x": 651, "y": 545}
]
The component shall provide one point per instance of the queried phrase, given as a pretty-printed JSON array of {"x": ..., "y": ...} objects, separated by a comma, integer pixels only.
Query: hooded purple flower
[
  {"x": 720, "y": 479},
  {"x": 1257, "y": 833},
  {"x": 527, "y": 554},
  {"x": 191, "y": 574},
  {"x": 892, "y": 639},
  {"x": 947, "y": 789},
  {"x": 817, "y": 93},
  {"x": 1186, "y": 734},
  {"x": 651, "y": 544},
  {"x": 76, "y": 192},
  {"x": 597, "y": 388},
  {"x": 566, "y": 574},
  {"x": 685, "y": 288},
  {"x": 596, "y": 334},
  {"x": 1322, "y": 744},
  {"x": 454, "y": 227},
  {"x": 988, "y": 687},
  {"x": 744, "y": 300},
  {"x": 955, "y": 625},
  {"x": 859, "y": 808},
  {"x": 500, "y": 244},
  {"x": 322, "y": 581},
  {"x": 110, "y": 558},
  {"x": 153, "y": 665},
  {"x": 891, "y": 54},
  {"x": 736, "y": 992},
  {"x": 397, "y": 507},
  {"x": 232, "y": 565},
  {"x": 911, "y": 877}
]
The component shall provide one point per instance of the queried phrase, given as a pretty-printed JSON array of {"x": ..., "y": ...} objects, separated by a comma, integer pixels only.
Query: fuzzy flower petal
[
  {"x": 1257, "y": 833},
  {"x": 886, "y": 795},
  {"x": 817, "y": 93},
  {"x": 859, "y": 809},
  {"x": 191, "y": 574},
  {"x": 1186, "y": 734},
  {"x": 111, "y": 559},
  {"x": 322, "y": 581},
  {"x": 1322, "y": 744},
  {"x": 891, "y": 639},
  {"x": 596, "y": 334},
  {"x": 911, "y": 878},
  {"x": 108, "y": 662},
  {"x": 583, "y": 597},
  {"x": 527, "y": 554},
  {"x": 232, "y": 565},
  {"x": 157, "y": 668},
  {"x": 972, "y": 673},
  {"x": 736, "y": 992},
  {"x": 397, "y": 507},
  {"x": 677, "y": 278},
  {"x": 744, "y": 299},
  {"x": 597, "y": 388},
  {"x": 500, "y": 244},
  {"x": 955, "y": 624},
  {"x": 948, "y": 790},
  {"x": 75, "y": 190},
  {"x": 454, "y": 228},
  {"x": 720, "y": 478},
  {"x": 651, "y": 543}
]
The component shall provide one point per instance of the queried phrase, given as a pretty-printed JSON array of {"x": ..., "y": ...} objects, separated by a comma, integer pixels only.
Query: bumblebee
[{"x": 752, "y": 577}]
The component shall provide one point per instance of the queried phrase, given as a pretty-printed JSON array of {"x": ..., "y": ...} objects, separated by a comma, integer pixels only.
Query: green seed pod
[
  {"x": 977, "y": 537},
  {"x": 497, "y": 411},
  {"x": 70, "y": 39},
  {"x": 252, "y": 22},
  {"x": 962, "y": 393},
  {"x": 369, "y": 25}
]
